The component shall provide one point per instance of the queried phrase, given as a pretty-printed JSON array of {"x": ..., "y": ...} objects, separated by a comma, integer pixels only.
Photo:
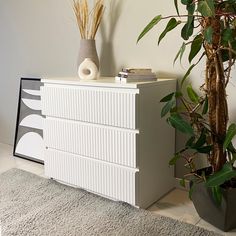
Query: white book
[
  {"x": 127, "y": 80},
  {"x": 131, "y": 74},
  {"x": 137, "y": 70}
]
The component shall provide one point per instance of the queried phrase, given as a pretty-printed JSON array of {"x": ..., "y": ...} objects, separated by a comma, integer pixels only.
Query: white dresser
[{"x": 108, "y": 137}]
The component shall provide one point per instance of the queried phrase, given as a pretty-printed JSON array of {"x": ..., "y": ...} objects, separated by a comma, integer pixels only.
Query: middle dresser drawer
[
  {"x": 105, "y": 143},
  {"x": 107, "y": 106}
]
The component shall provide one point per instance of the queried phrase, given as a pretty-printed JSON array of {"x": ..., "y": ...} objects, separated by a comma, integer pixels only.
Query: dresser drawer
[
  {"x": 106, "y": 179},
  {"x": 106, "y": 143},
  {"x": 107, "y": 106}
]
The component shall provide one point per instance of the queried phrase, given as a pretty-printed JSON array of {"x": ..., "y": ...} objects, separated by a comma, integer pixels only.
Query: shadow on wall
[{"x": 108, "y": 67}]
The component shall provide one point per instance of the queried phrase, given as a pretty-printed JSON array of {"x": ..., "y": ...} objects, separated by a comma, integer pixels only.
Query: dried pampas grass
[{"x": 88, "y": 22}]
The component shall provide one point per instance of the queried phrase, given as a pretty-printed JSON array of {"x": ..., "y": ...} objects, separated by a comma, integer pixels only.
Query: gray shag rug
[{"x": 31, "y": 205}]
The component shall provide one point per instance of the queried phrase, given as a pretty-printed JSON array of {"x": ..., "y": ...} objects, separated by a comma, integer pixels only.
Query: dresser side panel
[{"x": 156, "y": 145}]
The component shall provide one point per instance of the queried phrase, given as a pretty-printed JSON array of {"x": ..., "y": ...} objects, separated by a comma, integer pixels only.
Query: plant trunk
[
  {"x": 218, "y": 112},
  {"x": 216, "y": 93}
]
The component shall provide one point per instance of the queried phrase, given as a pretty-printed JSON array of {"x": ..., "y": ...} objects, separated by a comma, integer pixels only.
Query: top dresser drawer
[{"x": 108, "y": 106}]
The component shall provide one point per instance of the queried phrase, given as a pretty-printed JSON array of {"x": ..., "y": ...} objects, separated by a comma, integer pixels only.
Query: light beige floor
[{"x": 175, "y": 205}]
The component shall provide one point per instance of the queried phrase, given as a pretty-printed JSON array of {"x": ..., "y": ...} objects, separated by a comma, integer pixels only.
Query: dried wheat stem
[{"x": 88, "y": 22}]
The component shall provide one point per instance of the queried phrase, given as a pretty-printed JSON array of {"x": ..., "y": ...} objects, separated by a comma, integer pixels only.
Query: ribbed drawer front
[
  {"x": 112, "y": 181},
  {"x": 95, "y": 141},
  {"x": 114, "y": 107}
]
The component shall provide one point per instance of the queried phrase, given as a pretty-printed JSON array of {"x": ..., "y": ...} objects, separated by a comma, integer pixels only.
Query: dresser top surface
[{"x": 104, "y": 82}]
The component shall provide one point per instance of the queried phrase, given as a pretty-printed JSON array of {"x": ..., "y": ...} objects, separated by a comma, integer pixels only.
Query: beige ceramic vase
[{"x": 88, "y": 50}]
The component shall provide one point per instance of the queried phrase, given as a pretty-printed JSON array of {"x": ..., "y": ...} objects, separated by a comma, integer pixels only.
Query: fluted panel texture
[
  {"x": 101, "y": 142},
  {"x": 114, "y": 107},
  {"x": 112, "y": 181}
]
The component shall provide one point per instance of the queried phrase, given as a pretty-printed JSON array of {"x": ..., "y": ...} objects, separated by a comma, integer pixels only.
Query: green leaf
[
  {"x": 231, "y": 132},
  {"x": 178, "y": 94},
  {"x": 176, "y": 6},
  {"x": 180, "y": 124},
  {"x": 202, "y": 139},
  {"x": 167, "y": 98},
  {"x": 187, "y": 74},
  {"x": 204, "y": 149},
  {"x": 232, "y": 151},
  {"x": 195, "y": 47},
  {"x": 218, "y": 178},
  {"x": 173, "y": 161},
  {"x": 206, "y": 8},
  {"x": 231, "y": 148},
  {"x": 208, "y": 33},
  {"x": 180, "y": 52},
  {"x": 225, "y": 53},
  {"x": 182, "y": 183},
  {"x": 153, "y": 22},
  {"x": 185, "y": 2},
  {"x": 187, "y": 30},
  {"x": 229, "y": 6},
  {"x": 190, "y": 7},
  {"x": 168, "y": 106},
  {"x": 192, "y": 94},
  {"x": 227, "y": 35},
  {"x": 170, "y": 26},
  {"x": 217, "y": 195},
  {"x": 189, "y": 143},
  {"x": 205, "y": 107}
]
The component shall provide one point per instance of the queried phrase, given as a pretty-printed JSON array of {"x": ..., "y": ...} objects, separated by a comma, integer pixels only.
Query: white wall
[
  {"x": 40, "y": 38},
  {"x": 37, "y": 38}
]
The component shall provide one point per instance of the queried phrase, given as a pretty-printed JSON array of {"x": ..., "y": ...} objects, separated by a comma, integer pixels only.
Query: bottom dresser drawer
[{"x": 110, "y": 180}]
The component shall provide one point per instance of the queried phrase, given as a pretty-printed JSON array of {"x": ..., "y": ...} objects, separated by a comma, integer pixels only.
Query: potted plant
[{"x": 209, "y": 28}]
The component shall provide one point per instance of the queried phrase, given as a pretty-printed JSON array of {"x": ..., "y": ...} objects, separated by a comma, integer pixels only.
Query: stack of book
[{"x": 136, "y": 75}]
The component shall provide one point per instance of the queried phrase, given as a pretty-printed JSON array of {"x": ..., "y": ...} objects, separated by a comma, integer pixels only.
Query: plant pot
[
  {"x": 223, "y": 216},
  {"x": 88, "y": 50}
]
